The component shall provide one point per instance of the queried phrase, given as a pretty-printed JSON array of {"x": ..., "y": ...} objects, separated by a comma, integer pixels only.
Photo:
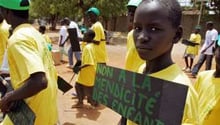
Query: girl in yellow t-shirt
[
  {"x": 155, "y": 33},
  {"x": 42, "y": 30},
  {"x": 86, "y": 77},
  {"x": 101, "y": 52},
  {"x": 208, "y": 89},
  {"x": 192, "y": 51}
]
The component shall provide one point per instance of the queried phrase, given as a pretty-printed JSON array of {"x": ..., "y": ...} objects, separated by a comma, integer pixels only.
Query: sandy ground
[{"x": 101, "y": 115}]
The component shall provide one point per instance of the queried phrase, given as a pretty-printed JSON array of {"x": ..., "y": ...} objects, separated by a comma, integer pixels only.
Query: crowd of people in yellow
[{"x": 156, "y": 28}]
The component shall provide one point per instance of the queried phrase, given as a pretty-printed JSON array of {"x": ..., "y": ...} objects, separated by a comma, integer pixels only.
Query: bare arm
[
  {"x": 35, "y": 84},
  {"x": 61, "y": 38}
]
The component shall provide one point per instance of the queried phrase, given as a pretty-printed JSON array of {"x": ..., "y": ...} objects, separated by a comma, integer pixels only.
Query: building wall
[{"x": 188, "y": 23}]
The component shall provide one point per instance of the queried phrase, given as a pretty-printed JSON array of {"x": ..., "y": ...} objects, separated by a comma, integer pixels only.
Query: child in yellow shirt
[
  {"x": 207, "y": 86},
  {"x": 93, "y": 14},
  {"x": 42, "y": 30},
  {"x": 156, "y": 29},
  {"x": 192, "y": 50},
  {"x": 86, "y": 77}
]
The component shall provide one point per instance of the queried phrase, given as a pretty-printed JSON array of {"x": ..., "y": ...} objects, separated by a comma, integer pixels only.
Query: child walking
[
  {"x": 86, "y": 77},
  {"x": 156, "y": 29},
  {"x": 42, "y": 30},
  {"x": 192, "y": 50}
]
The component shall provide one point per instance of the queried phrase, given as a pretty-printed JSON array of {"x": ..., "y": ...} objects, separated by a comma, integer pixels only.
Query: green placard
[
  {"x": 22, "y": 114},
  {"x": 140, "y": 98}
]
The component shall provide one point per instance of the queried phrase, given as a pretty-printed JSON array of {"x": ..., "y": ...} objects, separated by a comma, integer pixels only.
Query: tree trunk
[
  {"x": 105, "y": 23},
  {"x": 53, "y": 21},
  {"x": 114, "y": 21}
]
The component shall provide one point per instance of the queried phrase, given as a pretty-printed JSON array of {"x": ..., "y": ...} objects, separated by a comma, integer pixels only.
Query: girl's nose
[{"x": 144, "y": 36}]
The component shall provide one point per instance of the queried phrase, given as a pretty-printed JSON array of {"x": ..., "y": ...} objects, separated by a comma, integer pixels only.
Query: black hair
[
  {"x": 21, "y": 13},
  {"x": 24, "y": 3},
  {"x": 210, "y": 23},
  {"x": 174, "y": 10},
  {"x": 1, "y": 18},
  {"x": 63, "y": 22},
  {"x": 89, "y": 36},
  {"x": 66, "y": 20},
  {"x": 42, "y": 29}
]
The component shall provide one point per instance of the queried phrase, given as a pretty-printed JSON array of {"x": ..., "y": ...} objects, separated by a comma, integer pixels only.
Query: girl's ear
[{"x": 178, "y": 35}]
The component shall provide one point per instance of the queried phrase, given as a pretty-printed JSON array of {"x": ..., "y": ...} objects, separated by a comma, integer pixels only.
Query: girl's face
[
  {"x": 154, "y": 34},
  {"x": 91, "y": 17}
]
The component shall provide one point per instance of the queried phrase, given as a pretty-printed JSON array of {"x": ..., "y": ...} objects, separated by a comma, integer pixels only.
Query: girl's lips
[{"x": 144, "y": 48}]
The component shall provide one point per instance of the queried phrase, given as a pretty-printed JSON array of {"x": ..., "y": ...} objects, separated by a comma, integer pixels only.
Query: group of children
[
  {"x": 93, "y": 52},
  {"x": 156, "y": 29},
  {"x": 206, "y": 51},
  {"x": 33, "y": 74}
]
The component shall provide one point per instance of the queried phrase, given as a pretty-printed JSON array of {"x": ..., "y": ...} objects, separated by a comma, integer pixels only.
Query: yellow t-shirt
[
  {"x": 194, "y": 49},
  {"x": 208, "y": 89},
  {"x": 4, "y": 34},
  {"x": 28, "y": 54},
  {"x": 174, "y": 73},
  {"x": 86, "y": 75},
  {"x": 132, "y": 59},
  {"x": 82, "y": 45},
  {"x": 100, "y": 49},
  {"x": 47, "y": 38}
]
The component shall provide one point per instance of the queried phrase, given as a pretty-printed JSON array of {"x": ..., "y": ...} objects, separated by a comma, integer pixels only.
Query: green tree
[
  {"x": 49, "y": 9},
  {"x": 110, "y": 9},
  {"x": 75, "y": 9}
]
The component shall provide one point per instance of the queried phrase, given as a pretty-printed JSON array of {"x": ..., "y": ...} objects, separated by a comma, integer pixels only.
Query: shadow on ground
[
  {"x": 87, "y": 111},
  {"x": 67, "y": 123}
]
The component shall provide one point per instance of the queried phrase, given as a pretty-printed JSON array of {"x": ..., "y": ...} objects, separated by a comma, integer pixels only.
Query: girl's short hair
[
  {"x": 174, "y": 10},
  {"x": 21, "y": 13}
]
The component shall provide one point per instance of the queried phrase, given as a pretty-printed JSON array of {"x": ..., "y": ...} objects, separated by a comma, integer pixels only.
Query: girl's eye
[
  {"x": 137, "y": 28},
  {"x": 153, "y": 29}
]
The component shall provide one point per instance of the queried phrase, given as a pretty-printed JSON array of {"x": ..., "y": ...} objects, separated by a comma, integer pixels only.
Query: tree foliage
[{"x": 75, "y": 9}]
